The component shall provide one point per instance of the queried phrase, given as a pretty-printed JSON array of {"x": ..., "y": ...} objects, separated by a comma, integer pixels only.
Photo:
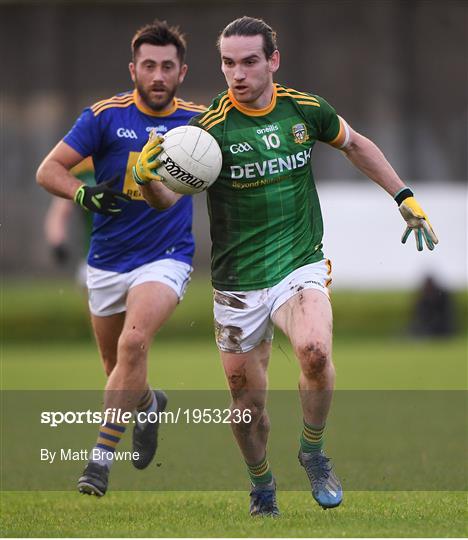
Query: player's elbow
[
  {"x": 41, "y": 174},
  {"x": 357, "y": 144}
]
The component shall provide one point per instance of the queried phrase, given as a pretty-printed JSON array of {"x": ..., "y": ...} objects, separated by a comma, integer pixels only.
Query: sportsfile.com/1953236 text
[{"x": 178, "y": 415}]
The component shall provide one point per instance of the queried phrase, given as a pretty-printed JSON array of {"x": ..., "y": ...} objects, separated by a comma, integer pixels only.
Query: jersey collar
[
  {"x": 146, "y": 110},
  {"x": 254, "y": 112}
]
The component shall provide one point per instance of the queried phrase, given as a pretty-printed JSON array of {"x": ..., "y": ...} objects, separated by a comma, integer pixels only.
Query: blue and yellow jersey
[{"x": 113, "y": 132}]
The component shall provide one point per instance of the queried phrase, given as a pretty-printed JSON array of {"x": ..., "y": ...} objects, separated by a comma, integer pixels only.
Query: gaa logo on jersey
[
  {"x": 126, "y": 133},
  {"x": 241, "y": 147},
  {"x": 300, "y": 133}
]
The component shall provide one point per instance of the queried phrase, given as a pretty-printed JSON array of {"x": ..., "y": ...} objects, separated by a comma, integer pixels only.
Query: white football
[{"x": 190, "y": 161}]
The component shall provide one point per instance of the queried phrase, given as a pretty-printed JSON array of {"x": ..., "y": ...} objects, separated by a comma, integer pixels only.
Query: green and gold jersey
[{"x": 264, "y": 210}]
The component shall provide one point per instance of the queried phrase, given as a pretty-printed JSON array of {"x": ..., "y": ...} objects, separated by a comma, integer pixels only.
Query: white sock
[{"x": 102, "y": 457}]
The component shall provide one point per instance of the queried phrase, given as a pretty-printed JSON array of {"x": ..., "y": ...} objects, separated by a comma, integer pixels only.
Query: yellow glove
[
  {"x": 416, "y": 220},
  {"x": 145, "y": 169}
]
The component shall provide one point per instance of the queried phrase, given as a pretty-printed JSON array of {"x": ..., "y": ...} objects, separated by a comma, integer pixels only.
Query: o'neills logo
[{"x": 177, "y": 172}]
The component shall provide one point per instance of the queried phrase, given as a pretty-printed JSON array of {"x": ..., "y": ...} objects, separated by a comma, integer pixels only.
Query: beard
[{"x": 156, "y": 102}]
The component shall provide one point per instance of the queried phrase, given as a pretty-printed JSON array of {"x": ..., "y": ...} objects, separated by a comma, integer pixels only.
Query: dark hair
[
  {"x": 160, "y": 33},
  {"x": 248, "y": 26}
]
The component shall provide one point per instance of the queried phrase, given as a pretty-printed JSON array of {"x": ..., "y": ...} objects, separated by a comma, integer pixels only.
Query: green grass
[
  {"x": 47, "y": 312},
  {"x": 48, "y": 346},
  {"x": 366, "y": 365},
  {"x": 360, "y": 365},
  {"x": 224, "y": 514}
]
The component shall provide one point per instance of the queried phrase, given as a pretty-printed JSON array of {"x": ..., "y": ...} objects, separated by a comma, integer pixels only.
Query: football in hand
[{"x": 191, "y": 160}]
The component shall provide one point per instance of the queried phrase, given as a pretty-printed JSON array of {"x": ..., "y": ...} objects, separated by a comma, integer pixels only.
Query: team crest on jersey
[{"x": 300, "y": 133}]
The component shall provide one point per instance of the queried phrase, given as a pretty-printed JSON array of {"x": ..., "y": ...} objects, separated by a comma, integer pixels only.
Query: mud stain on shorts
[
  {"x": 230, "y": 300},
  {"x": 228, "y": 337}
]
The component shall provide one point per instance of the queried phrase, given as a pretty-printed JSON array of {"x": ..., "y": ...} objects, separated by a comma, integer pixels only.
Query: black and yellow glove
[
  {"x": 416, "y": 220},
  {"x": 145, "y": 169},
  {"x": 101, "y": 198}
]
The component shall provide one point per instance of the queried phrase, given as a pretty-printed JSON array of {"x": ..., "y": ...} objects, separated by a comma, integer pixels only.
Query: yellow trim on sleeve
[
  {"x": 110, "y": 104},
  {"x": 300, "y": 94},
  {"x": 114, "y": 106},
  {"x": 310, "y": 103},
  {"x": 112, "y": 98},
  {"x": 339, "y": 139},
  {"x": 222, "y": 118},
  {"x": 190, "y": 106},
  {"x": 295, "y": 94},
  {"x": 218, "y": 115},
  {"x": 116, "y": 99},
  {"x": 299, "y": 99},
  {"x": 191, "y": 109},
  {"x": 214, "y": 112}
]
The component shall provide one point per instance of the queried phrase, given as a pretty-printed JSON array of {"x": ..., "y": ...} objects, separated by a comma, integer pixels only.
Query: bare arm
[
  {"x": 158, "y": 195},
  {"x": 369, "y": 159},
  {"x": 53, "y": 173},
  {"x": 56, "y": 221}
]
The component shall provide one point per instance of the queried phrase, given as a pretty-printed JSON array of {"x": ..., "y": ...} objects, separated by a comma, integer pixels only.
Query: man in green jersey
[{"x": 268, "y": 268}]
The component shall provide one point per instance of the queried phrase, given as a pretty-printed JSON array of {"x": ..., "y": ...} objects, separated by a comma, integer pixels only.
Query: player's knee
[
  {"x": 132, "y": 347},
  {"x": 237, "y": 382},
  {"x": 314, "y": 358}
]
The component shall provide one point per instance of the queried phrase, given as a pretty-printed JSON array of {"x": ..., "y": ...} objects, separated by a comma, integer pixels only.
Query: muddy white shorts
[
  {"x": 107, "y": 291},
  {"x": 243, "y": 319}
]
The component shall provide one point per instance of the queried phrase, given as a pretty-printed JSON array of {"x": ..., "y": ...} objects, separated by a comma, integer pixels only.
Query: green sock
[
  {"x": 312, "y": 438},
  {"x": 260, "y": 473}
]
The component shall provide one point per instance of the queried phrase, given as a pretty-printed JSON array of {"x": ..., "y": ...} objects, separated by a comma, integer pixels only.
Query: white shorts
[
  {"x": 243, "y": 319},
  {"x": 107, "y": 291}
]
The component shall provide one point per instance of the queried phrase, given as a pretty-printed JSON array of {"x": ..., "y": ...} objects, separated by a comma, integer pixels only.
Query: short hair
[
  {"x": 160, "y": 33},
  {"x": 248, "y": 26}
]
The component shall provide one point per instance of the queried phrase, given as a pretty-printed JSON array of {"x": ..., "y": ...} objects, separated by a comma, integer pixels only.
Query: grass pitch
[
  {"x": 373, "y": 363},
  {"x": 225, "y": 514},
  {"x": 387, "y": 364}
]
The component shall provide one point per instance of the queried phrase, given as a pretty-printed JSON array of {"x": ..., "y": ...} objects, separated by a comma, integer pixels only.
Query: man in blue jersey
[{"x": 139, "y": 261}]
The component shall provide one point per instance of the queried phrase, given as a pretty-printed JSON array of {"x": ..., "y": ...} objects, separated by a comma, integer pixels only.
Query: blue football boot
[
  {"x": 263, "y": 500},
  {"x": 326, "y": 488}
]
